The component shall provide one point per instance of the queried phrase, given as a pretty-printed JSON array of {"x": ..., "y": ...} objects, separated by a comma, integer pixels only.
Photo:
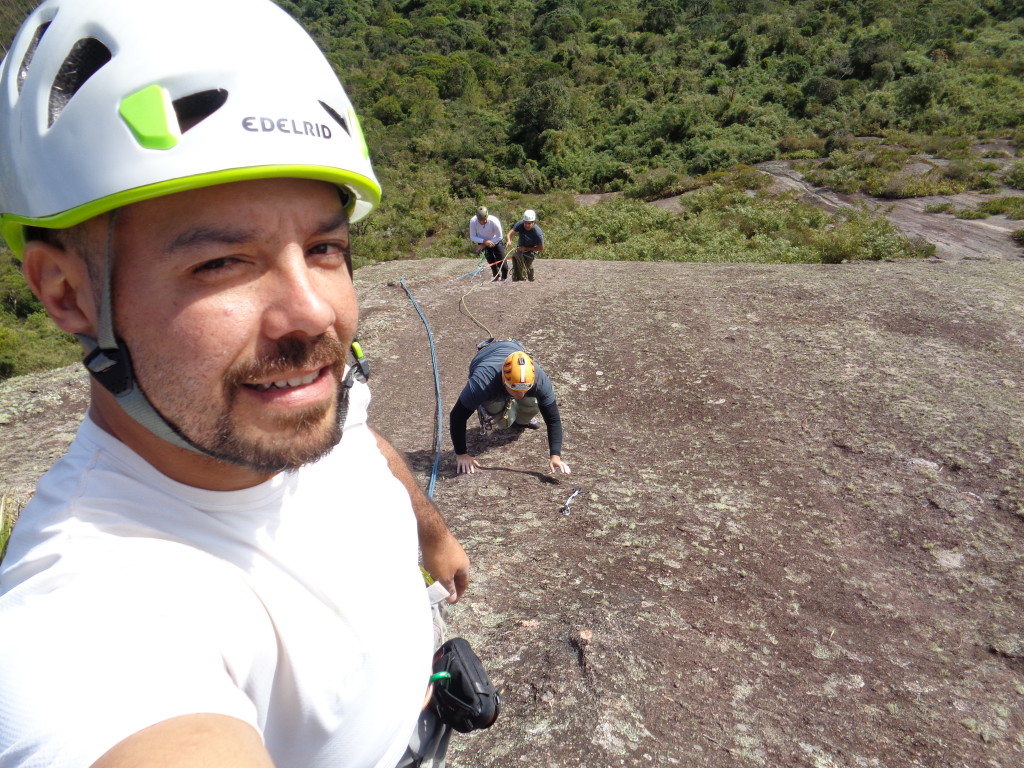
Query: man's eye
[
  {"x": 326, "y": 248},
  {"x": 329, "y": 254},
  {"x": 214, "y": 264}
]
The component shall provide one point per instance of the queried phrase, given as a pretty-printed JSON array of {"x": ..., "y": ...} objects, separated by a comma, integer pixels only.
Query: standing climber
[
  {"x": 485, "y": 231},
  {"x": 530, "y": 243}
]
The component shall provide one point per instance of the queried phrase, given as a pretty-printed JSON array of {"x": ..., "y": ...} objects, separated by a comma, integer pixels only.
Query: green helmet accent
[{"x": 148, "y": 113}]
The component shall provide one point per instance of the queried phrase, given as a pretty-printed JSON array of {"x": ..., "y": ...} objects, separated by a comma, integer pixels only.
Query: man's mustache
[{"x": 290, "y": 354}]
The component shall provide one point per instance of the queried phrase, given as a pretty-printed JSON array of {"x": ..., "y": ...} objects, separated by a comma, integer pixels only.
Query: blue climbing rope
[
  {"x": 480, "y": 267},
  {"x": 437, "y": 389},
  {"x": 474, "y": 273}
]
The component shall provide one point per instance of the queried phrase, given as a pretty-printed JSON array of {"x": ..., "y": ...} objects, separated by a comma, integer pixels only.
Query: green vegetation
[
  {"x": 9, "y": 510},
  {"x": 1014, "y": 176},
  {"x": 1010, "y": 207},
  {"x": 472, "y": 100},
  {"x": 728, "y": 218},
  {"x": 519, "y": 104},
  {"x": 897, "y": 172},
  {"x": 721, "y": 223},
  {"x": 29, "y": 341}
]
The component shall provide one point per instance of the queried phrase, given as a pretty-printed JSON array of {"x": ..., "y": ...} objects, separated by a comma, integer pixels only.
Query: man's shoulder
[{"x": 497, "y": 350}]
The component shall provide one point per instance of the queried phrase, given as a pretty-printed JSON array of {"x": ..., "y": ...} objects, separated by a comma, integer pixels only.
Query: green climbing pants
[
  {"x": 510, "y": 411},
  {"x": 522, "y": 265}
]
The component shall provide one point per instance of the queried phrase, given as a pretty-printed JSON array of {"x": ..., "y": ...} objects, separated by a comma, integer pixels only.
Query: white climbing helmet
[{"x": 109, "y": 102}]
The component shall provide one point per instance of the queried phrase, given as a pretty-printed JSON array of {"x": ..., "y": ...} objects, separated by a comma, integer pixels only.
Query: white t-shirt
[
  {"x": 489, "y": 230},
  {"x": 297, "y": 606}
]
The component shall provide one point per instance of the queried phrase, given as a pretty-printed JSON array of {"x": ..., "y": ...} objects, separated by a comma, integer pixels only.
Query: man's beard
[{"x": 266, "y": 455}]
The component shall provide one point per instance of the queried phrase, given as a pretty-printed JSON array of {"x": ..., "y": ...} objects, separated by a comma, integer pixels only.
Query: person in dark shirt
[
  {"x": 530, "y": 243},
  {"x": 507, "y": 389}
]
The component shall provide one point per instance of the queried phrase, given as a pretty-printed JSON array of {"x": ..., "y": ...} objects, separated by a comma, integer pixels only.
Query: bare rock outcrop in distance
[{"x": 799, "y": 536}]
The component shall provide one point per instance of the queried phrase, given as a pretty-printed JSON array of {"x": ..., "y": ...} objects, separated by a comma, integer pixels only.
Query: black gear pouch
[{"x": 464, "y": 697}]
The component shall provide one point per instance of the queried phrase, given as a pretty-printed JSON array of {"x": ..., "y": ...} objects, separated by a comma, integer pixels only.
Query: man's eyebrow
[
  {"x": 333, "y": 224},
  {"x": 205, "y": 235},
  {"x": 201, "y": 236}
]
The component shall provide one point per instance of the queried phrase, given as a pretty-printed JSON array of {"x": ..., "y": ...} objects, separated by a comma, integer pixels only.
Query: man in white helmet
[
  {"x": 530, "y": 242},
  {"x": 223, "y": 568}
]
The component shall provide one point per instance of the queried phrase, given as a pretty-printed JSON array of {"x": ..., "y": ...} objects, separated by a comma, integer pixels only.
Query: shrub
[
  {"x": 1014, "y": 175},
  {"x": 16, "y": 298},
  {"x": 659, "y": 183},
  {"x": 1010, "y": 207},
  {"x": 34, "y": 344},
  {"x": 742, "y": 176},
  {"x": 862, "y": 235},
  {"x": 9, "y": 511},
  {"x": 799, "y": 147},
  {"x": 388, "y": 110}
]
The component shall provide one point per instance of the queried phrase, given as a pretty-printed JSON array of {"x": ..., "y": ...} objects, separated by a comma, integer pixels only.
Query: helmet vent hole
[
  {"x": 27, "y": 58},
  {"x": 87, "y": 57},
  {"x": 193, "y": 109},
  {"x": 337, "y": 118}
]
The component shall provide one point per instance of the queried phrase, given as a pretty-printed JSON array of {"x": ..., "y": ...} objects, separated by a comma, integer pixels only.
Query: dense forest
[{"x": 515, "y": 103}]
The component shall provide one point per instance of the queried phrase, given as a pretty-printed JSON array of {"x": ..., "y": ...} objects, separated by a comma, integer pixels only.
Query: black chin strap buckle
[{"x": 112, "y": 368}]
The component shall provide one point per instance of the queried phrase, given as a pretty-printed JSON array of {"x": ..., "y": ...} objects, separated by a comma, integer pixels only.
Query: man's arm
[
  {"x": 457, "y": 420},
  {"x": 188, "y": 741},
  {"x": 443, "y": 556},
  {"x": 464, "y": 463},
  {"x": 553, "y": 421}
]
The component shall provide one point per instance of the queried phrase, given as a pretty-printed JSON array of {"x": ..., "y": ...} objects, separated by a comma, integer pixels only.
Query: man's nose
[{"x": 299, "y": 300}]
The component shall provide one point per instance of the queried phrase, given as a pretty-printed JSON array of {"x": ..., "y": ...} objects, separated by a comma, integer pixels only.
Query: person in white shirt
[
  {"x": 223, "y": 568},
  {"x": 485, "y": 231}
]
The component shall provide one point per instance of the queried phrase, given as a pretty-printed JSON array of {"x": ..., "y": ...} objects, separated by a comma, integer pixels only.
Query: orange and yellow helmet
[{"x": 518, "y": 372}]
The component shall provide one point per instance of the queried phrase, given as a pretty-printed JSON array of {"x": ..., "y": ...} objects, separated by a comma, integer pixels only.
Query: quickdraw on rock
[{"x": 565, "y": 507}]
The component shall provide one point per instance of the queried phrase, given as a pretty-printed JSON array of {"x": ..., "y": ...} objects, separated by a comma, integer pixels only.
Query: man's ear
[{"x": 60, "y": 279}]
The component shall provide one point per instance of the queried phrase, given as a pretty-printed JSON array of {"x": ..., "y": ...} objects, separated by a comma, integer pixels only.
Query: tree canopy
[{"x": 505, "y": 101}]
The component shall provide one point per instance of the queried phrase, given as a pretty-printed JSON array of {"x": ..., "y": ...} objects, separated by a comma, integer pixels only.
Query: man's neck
[{"x": 179, "y": 464}]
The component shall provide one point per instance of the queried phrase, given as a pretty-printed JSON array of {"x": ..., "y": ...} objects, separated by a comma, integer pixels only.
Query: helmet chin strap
[{"x": 109, "y": 363}]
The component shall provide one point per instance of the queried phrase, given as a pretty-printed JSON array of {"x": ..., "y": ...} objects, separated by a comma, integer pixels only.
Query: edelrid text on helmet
[
  {"x": 103, "y": 104},
  {"x": 518, "y": 373}
]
